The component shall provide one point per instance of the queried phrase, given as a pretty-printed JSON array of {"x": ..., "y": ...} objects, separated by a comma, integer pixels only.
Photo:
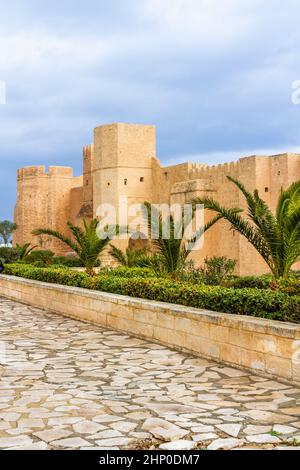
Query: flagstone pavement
[{"x": 65, "y": 384}]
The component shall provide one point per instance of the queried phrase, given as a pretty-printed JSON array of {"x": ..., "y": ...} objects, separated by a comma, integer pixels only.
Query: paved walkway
[{"x": 67, "y": 384}]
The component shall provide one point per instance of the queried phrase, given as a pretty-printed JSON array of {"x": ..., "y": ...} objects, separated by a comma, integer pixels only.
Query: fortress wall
[
  {"x": 284, "y": 170},
  {"x": 122, "y": 162},
  {"x": 219, "y": 241},
  {"x": 267, "y": 174},
  {"x": 254, "y": 174},
  {"x": 293, "y": 168},
  {"x": 164, "y": 179},
  {"x": 76, "y": 203}
]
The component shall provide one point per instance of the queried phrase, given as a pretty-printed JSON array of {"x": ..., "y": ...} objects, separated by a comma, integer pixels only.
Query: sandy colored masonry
[
  {"x": 122, "y": 161},
  {"x": 262, "y": 346}
]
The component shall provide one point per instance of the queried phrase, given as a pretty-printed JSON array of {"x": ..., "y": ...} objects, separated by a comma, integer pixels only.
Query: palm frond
[
  {"x": 276, "y": 237},
  {"x": 59, "y": 236},
  {"x": 118, "y": 255}
]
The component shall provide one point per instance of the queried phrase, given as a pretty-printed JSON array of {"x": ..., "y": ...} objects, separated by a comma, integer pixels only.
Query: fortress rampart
[{"x": 122, "y": 161}]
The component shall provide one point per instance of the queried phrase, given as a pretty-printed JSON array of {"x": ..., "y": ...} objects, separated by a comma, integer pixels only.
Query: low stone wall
[{"x": 263, "y": 346}]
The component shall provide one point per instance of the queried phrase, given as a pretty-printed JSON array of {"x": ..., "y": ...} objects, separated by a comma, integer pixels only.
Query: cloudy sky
[{"x": 214, "y": 76}]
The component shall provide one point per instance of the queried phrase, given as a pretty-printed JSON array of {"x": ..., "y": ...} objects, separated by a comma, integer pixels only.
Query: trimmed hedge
[
  {"x": 123, "y": 271},
  {"x": 252, "y": 302},
  {"x": 290, "y": 286},
  {"x": 53, "y": 275},
  {"x": 253, "y": 282}
]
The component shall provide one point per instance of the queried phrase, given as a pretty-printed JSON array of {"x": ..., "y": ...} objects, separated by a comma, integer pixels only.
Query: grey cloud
[{"x": 215, "y": 77}]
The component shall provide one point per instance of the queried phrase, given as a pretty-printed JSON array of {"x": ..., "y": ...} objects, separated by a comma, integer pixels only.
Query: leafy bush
[
  {"x": 258, "y": 282},
  {"x": 214, "y": 271},
  {"x": 217, "y": 269},
  {"x": 130, "y": 258},
  {"x": 86, "y": 241},
  {"x": 291, "y": 309},
  {"x": 8, "y": 254},
  {"x": 253, "y": 302},
  {"x": 290, "y": 286},
  {"x": 128, "y": 272},
  {"x": 69, "y": 261},
  {"x": 44, "y": 258},
  {"x": 41, "y": 257},
  {"x": 53, "y": 275}
]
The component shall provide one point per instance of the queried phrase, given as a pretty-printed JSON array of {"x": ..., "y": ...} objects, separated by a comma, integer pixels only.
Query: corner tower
[
  {"x": 123, "y": 159},
  {"x": 43, "y": 201}
]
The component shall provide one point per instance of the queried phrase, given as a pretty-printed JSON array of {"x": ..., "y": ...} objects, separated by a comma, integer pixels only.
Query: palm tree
[
  {"x": 276, "y": 236},
  {"x": 6, "y": 230},
  {"x": 86, "y": 242},
  {"x": 130, "y": 258},
  {"x": 172, "y": 250},
  {"x": 24, "y": 250}
]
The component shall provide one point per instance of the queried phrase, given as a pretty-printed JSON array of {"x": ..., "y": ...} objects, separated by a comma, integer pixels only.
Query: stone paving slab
[{"x": 70, "y": 385}]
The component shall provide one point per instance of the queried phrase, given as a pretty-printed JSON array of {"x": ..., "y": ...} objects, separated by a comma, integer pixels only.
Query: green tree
[
  {"x": 171, "y": 247},
  {"x": 276, "y": 236},
  {"x": 24, "y": 250},
  {"x": 6, "y": 230},
  {"x": 86, "y": 242},
  {"x": 130, "y": 258}
]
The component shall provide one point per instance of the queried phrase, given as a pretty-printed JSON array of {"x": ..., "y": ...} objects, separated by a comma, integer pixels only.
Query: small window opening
[
  {"x": 266, "y": 190},
  {"x": 142, "y": 179},
  {"x": 125, "y": 182},
  {"x": 108, "y": 184}
]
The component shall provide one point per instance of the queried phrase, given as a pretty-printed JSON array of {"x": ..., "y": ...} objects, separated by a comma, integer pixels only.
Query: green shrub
[
  {"x": 44, "y": 258},
  {"x": 128, "y": 272},
  {"x": 214, "y": 271},
  {"x": 8, "y": 254},
  {"x": 217, "y": 269},
  {"x": 69, "y": 261},
  {"x": 290, "y": 286},
  {"x": 56, "y": 276},
  {"x": 41, "y": 257},
  {"x": 291, "y": 309},
  {"x": 257, "y": 282},
  {"x": 254, "y": 302}
]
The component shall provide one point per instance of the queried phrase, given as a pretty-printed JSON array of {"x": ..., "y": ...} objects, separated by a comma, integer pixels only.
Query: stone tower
[
  {"x": 43, "y": 201},
  {"x": 123, "y": 157},
  {"x": 87, "y": 209}
]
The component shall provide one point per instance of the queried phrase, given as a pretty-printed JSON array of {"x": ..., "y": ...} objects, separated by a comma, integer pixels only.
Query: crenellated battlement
[
  {"x": 88, "y": 151},
  {"x": 88, "y": 159},
  {"x": 41, "y": 171},
  {"x": 31, "y": 171},
  {"x": 63, "y": 171},
  {"x": 210, "y": 171}
]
